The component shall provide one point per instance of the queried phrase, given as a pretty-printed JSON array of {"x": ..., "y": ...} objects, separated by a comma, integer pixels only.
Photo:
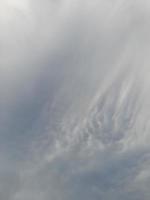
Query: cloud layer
[{"x": 74, "y": 100}]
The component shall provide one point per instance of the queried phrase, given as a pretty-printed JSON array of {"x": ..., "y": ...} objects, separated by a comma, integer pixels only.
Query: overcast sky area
[{"x": 74, "y": 100}]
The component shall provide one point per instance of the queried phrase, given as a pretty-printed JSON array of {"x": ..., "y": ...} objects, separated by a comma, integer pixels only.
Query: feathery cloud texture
[{"x": 74, "y": 120}]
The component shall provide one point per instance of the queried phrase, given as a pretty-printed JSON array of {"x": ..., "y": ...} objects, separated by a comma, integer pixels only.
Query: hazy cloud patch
[{"x": 74, "y": 87}]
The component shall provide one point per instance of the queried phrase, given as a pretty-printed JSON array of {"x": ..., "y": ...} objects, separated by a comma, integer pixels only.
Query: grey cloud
[{"x": 74, "y": 100}]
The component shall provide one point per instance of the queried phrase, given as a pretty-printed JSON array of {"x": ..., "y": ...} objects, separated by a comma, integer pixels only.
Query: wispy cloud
[{"x": 74, "y": 87}]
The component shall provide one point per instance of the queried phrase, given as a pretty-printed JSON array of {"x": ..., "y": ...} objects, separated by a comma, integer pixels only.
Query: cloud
[{"x": 74, "y": 100}]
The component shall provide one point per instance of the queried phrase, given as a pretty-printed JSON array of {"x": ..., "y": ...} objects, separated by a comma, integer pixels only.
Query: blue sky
[{"x": 74, "y": 100}]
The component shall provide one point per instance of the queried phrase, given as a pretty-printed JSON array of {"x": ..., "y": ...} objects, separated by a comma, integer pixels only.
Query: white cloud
[{"x": 74, "y": 100}]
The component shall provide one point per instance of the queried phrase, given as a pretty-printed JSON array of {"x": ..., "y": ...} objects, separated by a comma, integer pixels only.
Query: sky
[{"x": 74, "y": 100}]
